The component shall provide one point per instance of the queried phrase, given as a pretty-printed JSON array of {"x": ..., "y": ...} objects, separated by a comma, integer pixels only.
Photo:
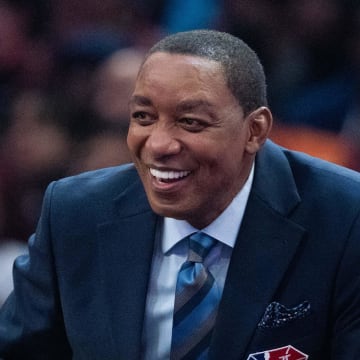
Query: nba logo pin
[{"x": 283, "y": 353}]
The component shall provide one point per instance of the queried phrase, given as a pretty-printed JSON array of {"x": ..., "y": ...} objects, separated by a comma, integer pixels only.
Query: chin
[{"x": 170, "y": 210}]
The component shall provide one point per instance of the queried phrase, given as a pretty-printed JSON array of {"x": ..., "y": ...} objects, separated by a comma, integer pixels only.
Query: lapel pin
[{"x": 283, "y": 353}]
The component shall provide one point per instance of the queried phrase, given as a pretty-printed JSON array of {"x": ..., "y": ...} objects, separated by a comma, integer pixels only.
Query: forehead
[
  {"x": 166, "y": 65},
  {"x": 183, "y": 82},
  {"x": 173, "y": 78}
]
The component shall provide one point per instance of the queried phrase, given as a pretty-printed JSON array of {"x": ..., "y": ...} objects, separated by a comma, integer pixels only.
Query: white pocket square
[{"x": 277, "y": 315}]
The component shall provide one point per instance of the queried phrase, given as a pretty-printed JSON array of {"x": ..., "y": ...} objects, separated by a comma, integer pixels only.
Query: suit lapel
[
  {"x": 266, "y": 244},
  {"x": 125, "y": 248}
]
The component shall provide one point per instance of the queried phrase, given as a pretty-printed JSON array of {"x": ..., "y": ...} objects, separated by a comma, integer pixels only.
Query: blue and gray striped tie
[{"x": 196, "y": 303}]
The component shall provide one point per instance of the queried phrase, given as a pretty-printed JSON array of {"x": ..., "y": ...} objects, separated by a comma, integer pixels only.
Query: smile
[{"x": 168, "y": 176}]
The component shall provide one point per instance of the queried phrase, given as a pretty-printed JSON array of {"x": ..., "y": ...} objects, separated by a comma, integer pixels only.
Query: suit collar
[
  {"x": 274, "y": 182},
  {"x": 266, "y": 244},
  {"x": 132, "y": 199}
]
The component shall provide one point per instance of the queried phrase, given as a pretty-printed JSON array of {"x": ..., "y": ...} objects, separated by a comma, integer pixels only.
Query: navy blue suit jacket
[{"x": 81, "y": 292}]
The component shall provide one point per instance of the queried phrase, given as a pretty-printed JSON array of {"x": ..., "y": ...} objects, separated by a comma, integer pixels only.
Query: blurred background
[{"x": 67, "y": 68}]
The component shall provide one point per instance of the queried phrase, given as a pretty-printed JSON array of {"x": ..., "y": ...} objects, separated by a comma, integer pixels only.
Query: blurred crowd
[{"x": 67, "y": 68}]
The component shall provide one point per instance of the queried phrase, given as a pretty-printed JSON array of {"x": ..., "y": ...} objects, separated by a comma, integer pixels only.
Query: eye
[
  {"x": 142, "y": 118},
  {"x": 191, "y": 124}
]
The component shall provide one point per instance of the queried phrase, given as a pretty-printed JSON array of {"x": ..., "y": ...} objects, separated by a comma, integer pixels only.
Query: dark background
[{"x": 62, "y": 81}]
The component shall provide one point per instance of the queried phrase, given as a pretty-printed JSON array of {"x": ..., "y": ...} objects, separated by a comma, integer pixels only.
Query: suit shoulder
[
  {"x": 322, "y": 167},
  {"x": 100, "y": 175},
  {"x": 323, "y": 175},
  {"x": 104, "y": 183}
]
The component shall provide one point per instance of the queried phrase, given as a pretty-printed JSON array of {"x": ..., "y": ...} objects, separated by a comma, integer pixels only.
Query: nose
[{"x": 162, "y": 142}]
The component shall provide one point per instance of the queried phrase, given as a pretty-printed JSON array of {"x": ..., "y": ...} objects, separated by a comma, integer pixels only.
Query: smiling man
[
  {"x": 186, "y": 130},
  {"x": 215, "y": 244}
]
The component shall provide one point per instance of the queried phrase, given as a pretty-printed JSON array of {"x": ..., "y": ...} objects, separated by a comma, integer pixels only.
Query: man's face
[{"x": 188, "y": 137}]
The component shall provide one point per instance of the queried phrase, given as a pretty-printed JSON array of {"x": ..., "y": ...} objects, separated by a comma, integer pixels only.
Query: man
[{"x": 106, "y": 264}]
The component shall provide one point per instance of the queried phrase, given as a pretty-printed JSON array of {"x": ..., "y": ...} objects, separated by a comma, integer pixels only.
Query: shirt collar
[{"x": 224, "y": 228}]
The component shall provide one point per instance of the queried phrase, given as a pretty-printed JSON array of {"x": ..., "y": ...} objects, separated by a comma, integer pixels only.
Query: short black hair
[{"x": 242, "y": 68}]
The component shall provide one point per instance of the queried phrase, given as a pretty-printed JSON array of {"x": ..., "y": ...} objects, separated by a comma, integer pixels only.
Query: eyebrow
[
  {"x": 140, "y": 100},
  {"x": 190, "y": 105},
  {"x": 186, "y": 105}
]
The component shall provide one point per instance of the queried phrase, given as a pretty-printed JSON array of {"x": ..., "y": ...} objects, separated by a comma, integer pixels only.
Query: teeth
[{"x": 165, "y": 175}]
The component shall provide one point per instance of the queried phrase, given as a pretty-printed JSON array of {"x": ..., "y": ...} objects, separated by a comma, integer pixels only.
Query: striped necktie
[{"x": 196, "y": 303}]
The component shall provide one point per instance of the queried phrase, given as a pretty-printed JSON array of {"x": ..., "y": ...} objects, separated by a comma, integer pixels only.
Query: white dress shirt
[{"x": 170, "y": 253}]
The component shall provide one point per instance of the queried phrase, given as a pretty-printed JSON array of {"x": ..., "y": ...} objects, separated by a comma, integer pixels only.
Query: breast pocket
[{"x": 305, "y": 334}]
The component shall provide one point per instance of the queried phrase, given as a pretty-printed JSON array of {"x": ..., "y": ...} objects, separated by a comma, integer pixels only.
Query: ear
[{"x": 260, "y": 123}]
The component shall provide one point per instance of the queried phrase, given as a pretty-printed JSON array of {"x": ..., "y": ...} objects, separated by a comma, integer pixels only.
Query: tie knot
[{"x": 200, "y": 245}]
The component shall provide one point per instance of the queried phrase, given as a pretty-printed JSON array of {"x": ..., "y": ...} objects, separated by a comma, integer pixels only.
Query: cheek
[
  {"x": 135, "y": 139},
  {"x": 226, "y": 163}
]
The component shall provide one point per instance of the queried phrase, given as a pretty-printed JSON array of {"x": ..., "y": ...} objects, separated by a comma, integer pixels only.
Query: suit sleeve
[
  {"x": 31, "y": 322},
  {"x": 346, "y": 336}
]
